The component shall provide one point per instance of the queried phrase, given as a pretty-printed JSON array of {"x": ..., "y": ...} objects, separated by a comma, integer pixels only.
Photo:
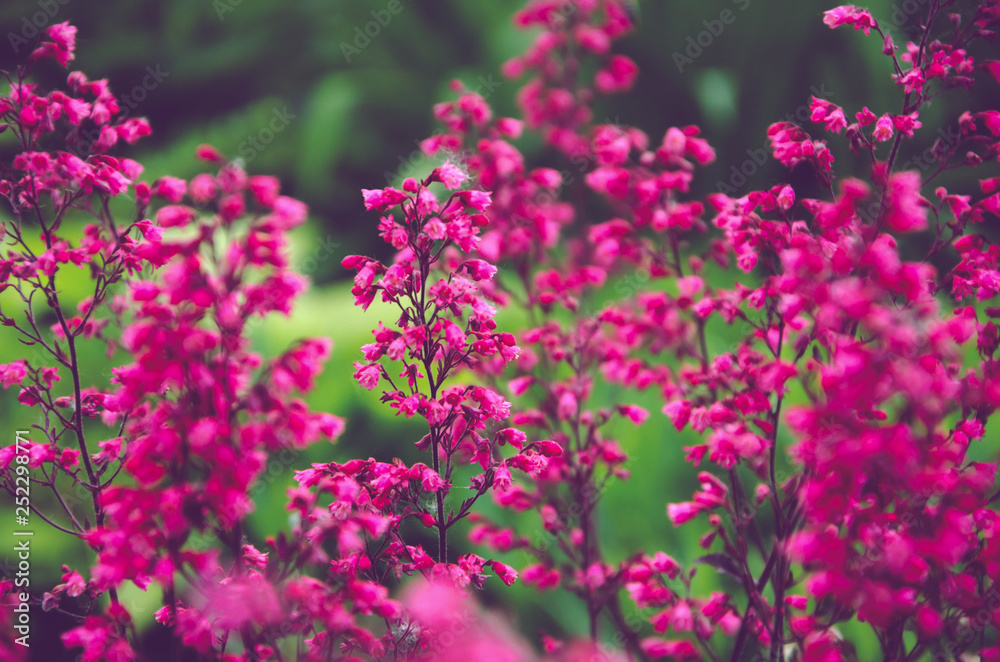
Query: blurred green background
[{"x": 344, "y": 113}]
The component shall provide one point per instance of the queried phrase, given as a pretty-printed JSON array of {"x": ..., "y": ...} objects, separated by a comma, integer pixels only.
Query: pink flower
[
  {"x": 865, "y": 116},
  {"x": 906, "y": 123},
  {"x": 454, "y": 336},
  {"x": 430, "y": 481},
  {"x": 75, "y": 585},
  {"x": 450, "y": 175},
  {"x": 210, "y": 154},
  {"x": 992, "y": 120},
  {"x": 850, "y": 15},
  {"x": 265, "y": 190},
  {"x": 679, "y": 513},
  {"x": 618, "y": 76},
  {"x": 69, "y": 458},
  {"x": 929, "y": 621},
  {"x": 520, "y": 385},
  {"x": 832, "y": 116},
  {"x": 568, "y": 406},
  {"x": 547, "y": 177},
  {"x": 506, "y": 573},
  {"x": 254, "y": 557},
  {"x": 478, "y": 200},
  {"x": 512, "y": 436},
  {"x": 62, "y": 46},
  {"x": 64, "y": 35},
  {"x": 906, "y": 211},
  {"x": 912, "y": 81},
  {"x": 382, "y": 199},
  {"x": 635, "y": 413},
  {"x": 99, "y": 638},
  {"x": 367, "y": 374},
  {"x": 232, "y": 207},
  {"x": 682, "y": 619},
  {"x": 478, "y": 269},
  {"x": 510, "y": 127},
  {"x": 676, "y": 650},
  {"x": 593, "y": 39},
  {"x": 12, "y": 374},
  {"x": 435, "y": 229},
  {"x": 133, "y": 129},
  {"x": 249, "y": 599},
  {"x": 170, "y": 188},
  {"x": 883, "y": 128},
  {"x": 501, "y": 478},
  {"x": 542, "y": 577},
  {"x": 548, "y": 447},
  {"x": 679, "y": 413},
  {"x": 203, "y": 188},
  {"x": 76, "y": 110},
  {"x": 609, "y": 181},
  {"x": 786, "y": 198},
  {"x": 173, "y": 216}
]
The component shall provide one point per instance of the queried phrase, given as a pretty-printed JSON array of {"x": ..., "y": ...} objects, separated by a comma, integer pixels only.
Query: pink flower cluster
[
  {"x": 194, "y": 413},
  {"x": 839, "y": 444}
]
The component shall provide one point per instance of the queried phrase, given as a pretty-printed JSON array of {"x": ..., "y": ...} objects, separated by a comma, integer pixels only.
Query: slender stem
[{"x": 631, "y": 636}]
